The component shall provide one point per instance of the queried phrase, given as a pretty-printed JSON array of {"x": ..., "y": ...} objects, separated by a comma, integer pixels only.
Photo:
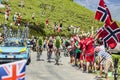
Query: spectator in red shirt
[
  {"x": 47, "y": 22},
  {"x": 89, "y": 51},
  {"x": 81, "y": 48},
  {"x": 19, "y": 19},
  {"x": 7, "y": 13}
]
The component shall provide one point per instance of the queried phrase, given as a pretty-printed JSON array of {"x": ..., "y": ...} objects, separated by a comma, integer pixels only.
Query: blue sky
[{"x": 113, "y": 5}]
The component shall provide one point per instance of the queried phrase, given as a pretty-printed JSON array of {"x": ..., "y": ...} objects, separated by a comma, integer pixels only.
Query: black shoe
[
  {"x": 56, "y": 63},
  {"x": 86, "y": 71},
  {"x": 49, "y": 61},
  {"x": 38, "y": 59}
]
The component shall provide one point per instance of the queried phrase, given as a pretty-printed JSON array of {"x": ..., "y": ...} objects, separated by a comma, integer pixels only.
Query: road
[{"x": 42, "y": 70}]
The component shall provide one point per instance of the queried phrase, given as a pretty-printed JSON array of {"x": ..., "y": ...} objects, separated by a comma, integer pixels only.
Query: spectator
[
  {"x": 15, "y": 17},
  {"x": 54, "y": 25},
  {"x": 82, "y": 39},
  {"x": 77, "y": 50},
  {"x": 33, "y": 16},
  {"x": 47, "y": 22},
  {"x": 106, "y": 57},
  {"x": 7, "y": 13},
  {"x": 78, "y": 29},
  {"x": 102, "y": 48},
  {"x": 1, "y": 38},
  {"x": 19, "y": 19},
  {"x": 74, "y": 30},
  {"x": 22, "y": 3},
  {"x": 69, "y": 28},
  {"x": 88, "y": 50}
]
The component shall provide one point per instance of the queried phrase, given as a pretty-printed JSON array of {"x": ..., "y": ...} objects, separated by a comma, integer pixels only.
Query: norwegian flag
[
  {"x": 110, "y": 35},
  {"x": 13, "y": 71},
  {"x": 103, "y": 13},
  {"x": 99, "y": 33}
]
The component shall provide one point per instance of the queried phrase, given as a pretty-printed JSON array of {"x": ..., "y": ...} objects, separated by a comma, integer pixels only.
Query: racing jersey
[
  {"x": 57, "y": 43},
  {"x": 50, "y": 44},
  {"x": 40, "y": 42}
]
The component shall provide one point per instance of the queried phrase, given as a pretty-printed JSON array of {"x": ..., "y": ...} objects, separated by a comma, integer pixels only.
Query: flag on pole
[
  {"x": 13, "y": 71},
  {"x": 100, "y": 32},
  {"x": 103, "y": 13},
  {"x": 110, "y": 35},
  {"x": 108, "y": 11}
]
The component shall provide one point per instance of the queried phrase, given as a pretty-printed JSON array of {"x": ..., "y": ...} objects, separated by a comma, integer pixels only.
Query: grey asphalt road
[{"x": 42, "y": 70}]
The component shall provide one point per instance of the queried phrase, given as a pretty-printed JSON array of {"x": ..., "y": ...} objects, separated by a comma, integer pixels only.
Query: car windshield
[{"x": 14, "y": 44}]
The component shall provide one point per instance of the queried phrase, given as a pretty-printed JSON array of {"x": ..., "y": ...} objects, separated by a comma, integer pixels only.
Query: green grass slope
[{"x": 65, "y": 11}]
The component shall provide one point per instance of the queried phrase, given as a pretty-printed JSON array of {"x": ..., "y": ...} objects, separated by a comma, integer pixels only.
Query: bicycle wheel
[
  {"x": 49, "y": 56},
  {"x": 57, "y": 57}
]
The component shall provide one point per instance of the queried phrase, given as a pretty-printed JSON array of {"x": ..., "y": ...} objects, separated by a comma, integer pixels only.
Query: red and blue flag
[
  {"x": 110, "y": 35},
  {"x": 13, "y": 71},
  {"x": 103, "y": 13}
]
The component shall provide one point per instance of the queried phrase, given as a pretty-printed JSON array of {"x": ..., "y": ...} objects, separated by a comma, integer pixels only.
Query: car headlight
[{"x": 0, "y": 50}]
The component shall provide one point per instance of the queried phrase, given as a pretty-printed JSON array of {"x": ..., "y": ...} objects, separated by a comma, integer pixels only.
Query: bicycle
[
  {"x": 66, "y": 53},
  {"x": 39, "y": 52},
  {"x": 49, "y": 54},
  {"x": 34, "y": 47},
  {"x": 57, "y": 56}
]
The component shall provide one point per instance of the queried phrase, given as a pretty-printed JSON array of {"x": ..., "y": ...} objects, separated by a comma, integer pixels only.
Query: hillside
[{"x": 65, "y": 11}]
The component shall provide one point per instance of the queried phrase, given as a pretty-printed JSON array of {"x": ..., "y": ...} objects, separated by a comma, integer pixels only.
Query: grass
[{"x": 65, "y": 11}]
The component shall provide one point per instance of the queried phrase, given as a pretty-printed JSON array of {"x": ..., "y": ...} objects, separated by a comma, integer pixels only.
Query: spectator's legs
[
  {"x": 95, "y": 67},
  {"x": 87, "y": 66}
]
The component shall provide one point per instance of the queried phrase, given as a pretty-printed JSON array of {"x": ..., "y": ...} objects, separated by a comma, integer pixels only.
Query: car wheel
[{"x": 28, "y": 61}]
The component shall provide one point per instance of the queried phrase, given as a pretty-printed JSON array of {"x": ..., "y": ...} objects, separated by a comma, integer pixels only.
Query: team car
[{"x": 13, "y": 49}]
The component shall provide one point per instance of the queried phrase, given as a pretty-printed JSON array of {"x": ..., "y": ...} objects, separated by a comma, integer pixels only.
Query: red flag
[
  {"x": 108, "y": 11},
  {"x": 110, "y": 35},
  {"x": 103, "y": 13},
  {"x": 99, "y": 32}
]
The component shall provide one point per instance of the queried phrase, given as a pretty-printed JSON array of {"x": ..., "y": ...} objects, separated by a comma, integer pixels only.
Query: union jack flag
[
  {"x": 13, "y": 71},
  {"x": 103, "y": 13},
  {"x": 110, "y": 35}
]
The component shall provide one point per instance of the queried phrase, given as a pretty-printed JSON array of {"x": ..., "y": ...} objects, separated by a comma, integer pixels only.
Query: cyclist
[
  {"x": 57, "y": 53},
  {"x": 39, "y": 47},
  {"x": 50, "y": 48},
  {"x": 34, "y": 45}
]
